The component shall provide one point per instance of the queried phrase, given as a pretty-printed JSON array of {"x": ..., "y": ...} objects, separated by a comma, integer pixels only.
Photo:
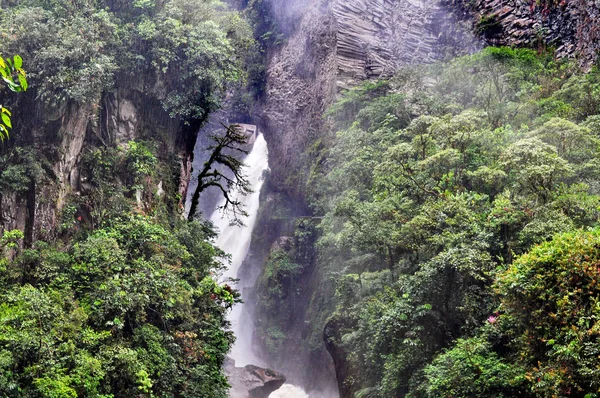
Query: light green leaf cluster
[{"x": 14, "y": 77}]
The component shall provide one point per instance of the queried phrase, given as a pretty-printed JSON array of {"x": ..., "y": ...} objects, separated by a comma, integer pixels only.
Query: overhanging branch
[{"x": 210, "y": 176}]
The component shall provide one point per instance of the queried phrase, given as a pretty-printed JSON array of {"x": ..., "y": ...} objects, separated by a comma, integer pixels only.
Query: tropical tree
[{"x": 14, "y": 78}]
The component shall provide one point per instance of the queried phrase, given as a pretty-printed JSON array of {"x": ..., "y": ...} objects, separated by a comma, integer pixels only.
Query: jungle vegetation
[
  {"x": 456, "y": 212},
  {"x": 455, "y": 222},
  {"x": 461, "y": 207},
  {"x": 118, "y": 298}
]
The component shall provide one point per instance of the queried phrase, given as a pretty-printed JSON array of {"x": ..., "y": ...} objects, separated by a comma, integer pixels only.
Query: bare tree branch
[{"x": 210, "y": 176}]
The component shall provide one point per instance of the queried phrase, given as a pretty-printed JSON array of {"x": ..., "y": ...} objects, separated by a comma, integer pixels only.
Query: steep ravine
[
  {"x": 335, "y": 45},
  {"x": 327, "y": 46}
]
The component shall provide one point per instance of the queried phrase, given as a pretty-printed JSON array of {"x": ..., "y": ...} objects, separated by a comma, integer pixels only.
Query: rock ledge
[{"x": 252, "y": 381}]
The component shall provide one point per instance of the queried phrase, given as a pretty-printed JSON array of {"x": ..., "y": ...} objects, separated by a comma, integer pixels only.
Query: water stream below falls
[{"x": 235, "y": 240}]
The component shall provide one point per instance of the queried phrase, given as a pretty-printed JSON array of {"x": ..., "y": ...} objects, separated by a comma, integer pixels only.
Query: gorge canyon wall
[
  {"x": 60, "y": 138},
  {"x": 568, "y": 26}
]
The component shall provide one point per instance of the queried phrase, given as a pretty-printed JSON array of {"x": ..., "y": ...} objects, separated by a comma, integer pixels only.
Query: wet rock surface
[
  {"x": 376, "y": 37},
  {"x": 335, "y": 45},
  {"x": 252, "y": 381},
  {"x": 65, "y": 132}
]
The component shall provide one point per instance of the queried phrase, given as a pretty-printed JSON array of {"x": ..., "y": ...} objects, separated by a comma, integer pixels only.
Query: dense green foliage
[
  {"x": 113, "y": 294},
  {"x": 544, "y": 340},
  {"x": 130, "y": 309},
  {"x": 279, "y": 283},
  {"x": 76, "y": 49},
  {"x": 125, "y": 302},
  {"x": 455, "y": 236},
  {"x": 434, "y": 183}
]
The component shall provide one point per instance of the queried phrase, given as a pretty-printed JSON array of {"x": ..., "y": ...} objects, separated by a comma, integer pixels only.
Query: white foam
[{"x": 289, "y": 391}]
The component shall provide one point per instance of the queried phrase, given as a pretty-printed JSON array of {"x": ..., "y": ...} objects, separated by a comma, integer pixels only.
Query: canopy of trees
[
  {"x": 435, "y": 182},
  {"x": 76, "y": 49},
  {"x": 130, "y": 309}
]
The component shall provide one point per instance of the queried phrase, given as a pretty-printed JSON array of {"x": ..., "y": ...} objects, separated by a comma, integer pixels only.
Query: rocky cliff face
[
  {"x": 337, "y": 44},
  {"x": 60, "y": 136},
  {"x": 252, "y": 381},
  {"x": 569, "y": 26},
  {"x": 301, "y": 83},
  {"x": 376, "y": 37}
]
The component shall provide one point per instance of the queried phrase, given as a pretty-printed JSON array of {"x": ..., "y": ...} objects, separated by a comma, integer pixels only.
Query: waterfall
[
  {"x": 289, "y": 391},
  {"x": 235, "y": 240}
]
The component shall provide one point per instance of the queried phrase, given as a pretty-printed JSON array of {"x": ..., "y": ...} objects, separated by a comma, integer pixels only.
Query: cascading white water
[{"x": 235, "y": 240}]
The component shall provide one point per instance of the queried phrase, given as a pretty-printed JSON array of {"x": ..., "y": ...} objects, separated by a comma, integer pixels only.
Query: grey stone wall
[
  {"x": 376, "y": 37},
  {"x": 572, "y": 27},
  {"x": 336, "y": 44}
]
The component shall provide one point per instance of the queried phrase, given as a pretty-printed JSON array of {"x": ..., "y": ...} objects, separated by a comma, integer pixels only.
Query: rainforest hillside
[
  {"x": 454, "y": 209},
  {"x": 105, "y": 289}
]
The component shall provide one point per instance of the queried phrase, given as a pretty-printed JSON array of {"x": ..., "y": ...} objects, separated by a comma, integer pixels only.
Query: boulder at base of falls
[{"x": 252, "y": 381}]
